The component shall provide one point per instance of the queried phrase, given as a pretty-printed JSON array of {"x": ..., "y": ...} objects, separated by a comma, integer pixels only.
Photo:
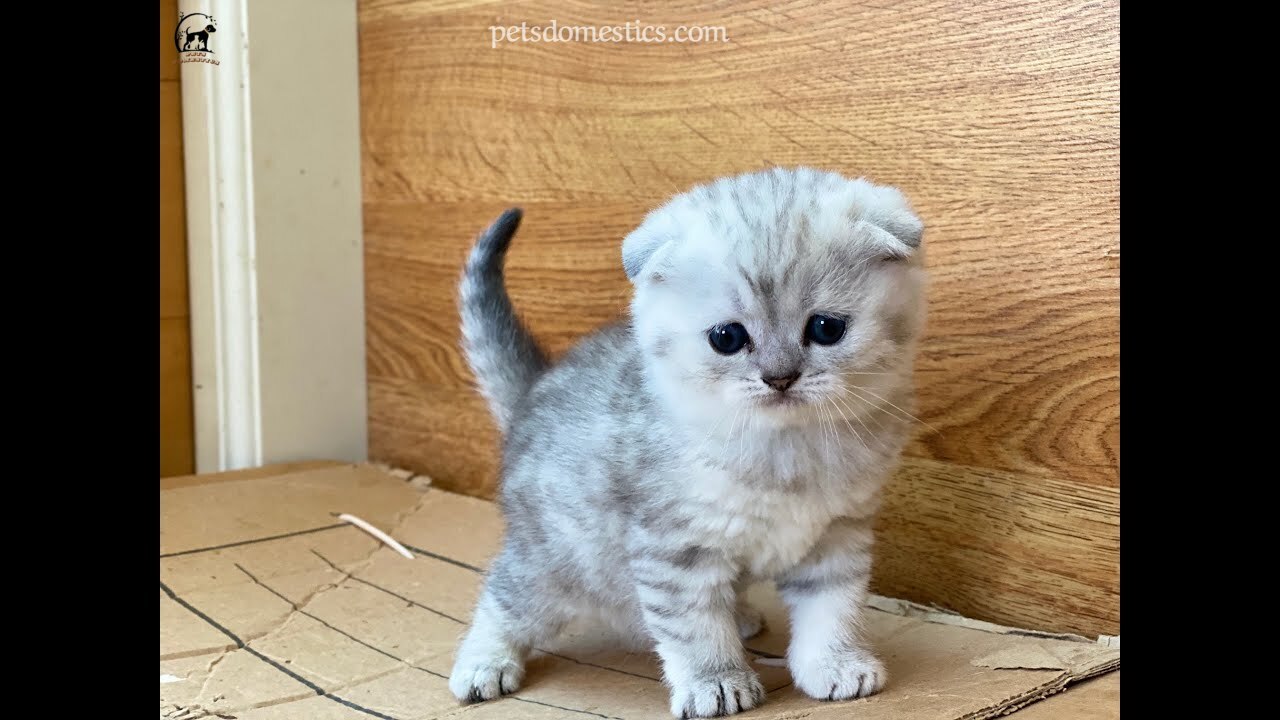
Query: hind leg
[
  {"x": 514, "y": 614},
  {"x": 750, "y": 620}
]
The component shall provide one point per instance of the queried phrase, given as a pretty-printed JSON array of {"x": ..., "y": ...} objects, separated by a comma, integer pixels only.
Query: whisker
[
  {"x": 850, "y": 425},
  {"x": 826, "y": 418},
  {"x": 850, "y": 393},
  {"x": 895, "y": 407},
  {"x": 835, "y": 432},
  {"x": 835, "y": 400},
  {"x": 724, "y": 449},
  {"x": 710, "y": 432},
  {"x": 868, "y": 403}
]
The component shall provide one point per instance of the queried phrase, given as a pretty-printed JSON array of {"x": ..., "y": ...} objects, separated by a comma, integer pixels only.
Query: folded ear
[
  {"x": 895, "y": 246},
  {"x": 644, "y": 248},
  {"x": 888, "y": 221}
]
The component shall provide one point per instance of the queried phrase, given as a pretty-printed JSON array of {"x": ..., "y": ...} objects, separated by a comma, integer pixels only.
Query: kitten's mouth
[{"x": 781, "y": 399}]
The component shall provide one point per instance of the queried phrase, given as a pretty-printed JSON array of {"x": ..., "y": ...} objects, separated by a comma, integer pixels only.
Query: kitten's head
[{"x": 780, "y": 292}]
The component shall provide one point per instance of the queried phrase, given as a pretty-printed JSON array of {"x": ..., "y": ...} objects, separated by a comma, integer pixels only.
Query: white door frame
[{"x": 274, "y": 232}]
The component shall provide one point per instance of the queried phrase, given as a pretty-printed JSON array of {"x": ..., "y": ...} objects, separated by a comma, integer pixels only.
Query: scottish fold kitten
[{"x": 738, "y": 426}]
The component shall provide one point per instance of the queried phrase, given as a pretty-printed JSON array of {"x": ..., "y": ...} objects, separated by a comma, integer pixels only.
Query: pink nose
[{"x": 781, "y": 382}]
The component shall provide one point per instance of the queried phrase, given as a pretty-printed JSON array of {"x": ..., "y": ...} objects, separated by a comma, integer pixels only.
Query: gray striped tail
[{"x": 502, "y": 353}]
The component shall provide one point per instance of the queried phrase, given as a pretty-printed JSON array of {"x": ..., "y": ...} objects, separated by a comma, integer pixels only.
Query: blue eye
[
  {"x": 728, "y": 339},
  {"x": 824, "y": 329}
]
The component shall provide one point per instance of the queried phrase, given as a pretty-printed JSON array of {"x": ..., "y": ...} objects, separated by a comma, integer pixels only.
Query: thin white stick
[{"x": 376, "y": 533}]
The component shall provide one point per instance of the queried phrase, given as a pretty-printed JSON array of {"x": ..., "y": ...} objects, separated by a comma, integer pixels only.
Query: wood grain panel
[
  {"x": 173, "y": 216},
  {"x": 986, "y": 544},
  {"x": 455, "y": 438},
  {"x": 999, "y": 119},
  {"x": 177, "y": 449},
  {"x": 177, "y": 444},
  {"x": 168, "y": 51}
]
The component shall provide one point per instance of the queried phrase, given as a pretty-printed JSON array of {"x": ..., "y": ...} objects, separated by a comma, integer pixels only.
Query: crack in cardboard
[
  {"x": 326, "y": 623},
  {"x": 397, "y": 523},
  {"x": 1052, "y": 687},
  {"x": 183, "y": 654},
  {"x": 596, "y": 665},
  {"x": 185, "y": 712},
  {"x": 204, "y": 686},
  {"x": 479, "y": 707},
  {"x": 208, "y": 671},
  {"x": 405, "y": 663},
  {"x": 306, "y": 599},
  {"x": 272, "y": 702},
  {"x": 323, "y": 588},
  {"x": 339, "y": 687},
  {"x": 240, "y": 644},
  {"x": 253, "y": 541},
  {"x": 447, "y": 616},
  {"x": 296, "y": 607},
  {"x": 350, "y": 575}
]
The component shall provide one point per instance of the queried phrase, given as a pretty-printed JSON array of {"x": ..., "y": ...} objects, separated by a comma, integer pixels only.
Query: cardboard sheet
[{"x": 272, "y": 608}]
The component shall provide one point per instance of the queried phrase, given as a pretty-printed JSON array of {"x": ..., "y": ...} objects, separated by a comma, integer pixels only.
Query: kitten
[{"x": 738, "y": 427}]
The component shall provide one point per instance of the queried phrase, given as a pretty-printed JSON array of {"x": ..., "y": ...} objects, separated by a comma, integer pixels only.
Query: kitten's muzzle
[{"x": 780, "y": 382}]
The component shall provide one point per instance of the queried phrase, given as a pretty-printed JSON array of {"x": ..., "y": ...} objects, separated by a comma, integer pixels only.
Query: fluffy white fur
[{"x": 648, "y": 478}]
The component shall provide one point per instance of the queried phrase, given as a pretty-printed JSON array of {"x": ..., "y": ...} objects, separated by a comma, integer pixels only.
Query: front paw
[
  {"x": 717, "y": 694},
  {"x": 839, "y": 676},
  {"x": 485, "y": 679}
]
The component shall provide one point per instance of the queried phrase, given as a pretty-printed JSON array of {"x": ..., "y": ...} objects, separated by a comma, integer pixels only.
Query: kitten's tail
[{"x": 503, "y": 355}]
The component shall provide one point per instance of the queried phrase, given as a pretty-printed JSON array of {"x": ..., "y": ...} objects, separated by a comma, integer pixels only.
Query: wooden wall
[
  {"x": 177, "y": 439},
  {"x": 1000, "y": 119}
]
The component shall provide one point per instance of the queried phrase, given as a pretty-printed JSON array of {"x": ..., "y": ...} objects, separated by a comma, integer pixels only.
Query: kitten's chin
[{"x": 783, "y": 409}]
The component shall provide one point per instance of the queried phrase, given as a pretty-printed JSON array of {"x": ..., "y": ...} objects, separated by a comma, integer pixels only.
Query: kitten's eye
[
  {"x": 728, "y": 339},
  {"x": 824, "y": 329}
]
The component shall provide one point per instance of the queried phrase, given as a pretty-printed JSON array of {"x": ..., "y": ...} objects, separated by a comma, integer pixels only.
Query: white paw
[
  {"x": 750, "y": 621},
  {"x": 477, "y": 681},
  {"x": 839, "y": 676},
  {"x": 717, "y": 694}
]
